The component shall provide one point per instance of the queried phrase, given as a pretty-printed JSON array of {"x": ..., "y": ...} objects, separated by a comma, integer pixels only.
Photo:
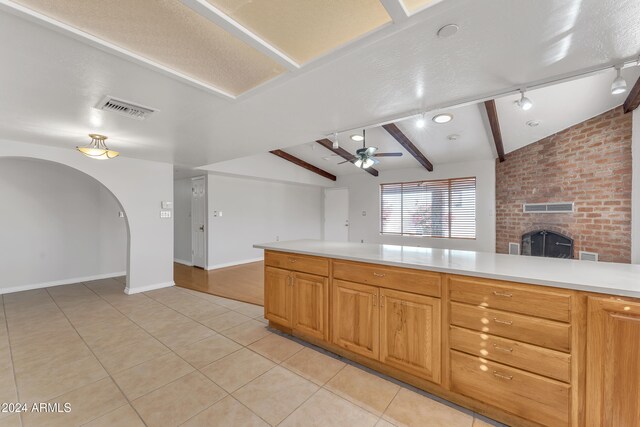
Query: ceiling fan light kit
[{"x": 365, "y": 157}]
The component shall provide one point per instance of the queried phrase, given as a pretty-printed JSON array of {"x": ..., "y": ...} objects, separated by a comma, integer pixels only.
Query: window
[{"x": 441, "y": 208}]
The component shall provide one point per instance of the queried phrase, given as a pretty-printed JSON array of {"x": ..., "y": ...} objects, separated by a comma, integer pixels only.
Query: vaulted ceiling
[{"x": 231, "y": 79}]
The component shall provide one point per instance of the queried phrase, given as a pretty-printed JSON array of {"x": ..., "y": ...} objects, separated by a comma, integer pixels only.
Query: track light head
[
  {"x": 524, "y": 103},
  {"x": 335, "y": 145},
  {"x": 619, "y": 85},
  {"x": 420, "y": 123}
]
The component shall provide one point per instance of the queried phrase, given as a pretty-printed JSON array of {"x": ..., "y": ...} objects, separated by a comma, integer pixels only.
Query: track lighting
[
  {"x": 524, "y": 103},
  {"x": 619, "y": 85},
  {"x": 335, "y": 144},
  {"x": 421, "y": 121}
]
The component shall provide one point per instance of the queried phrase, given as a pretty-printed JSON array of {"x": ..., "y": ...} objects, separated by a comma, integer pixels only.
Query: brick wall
[{"x": 588, "y": 164}]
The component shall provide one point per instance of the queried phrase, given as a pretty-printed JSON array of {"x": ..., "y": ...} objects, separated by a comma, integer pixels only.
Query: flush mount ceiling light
[
  {"x": 443, "y": 118},
  {"x": 421, "y": 122},
  {"x": 524, "y": 103},
  {"x": 97, "y": 149},
  {"x": 619, "y": 85},
  {"x": 357, "y": 138},
  {"x": 447, "y": 31},
  {"x": 533, "y": 123}
]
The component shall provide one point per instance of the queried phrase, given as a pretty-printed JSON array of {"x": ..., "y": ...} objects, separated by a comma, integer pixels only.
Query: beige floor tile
[
  {"x": 119, "y": 358},
  {"x": 87, "y": 403},
  {"x": 261, "y": 319},
  {"x": 184, "y": 334},
  {"x": 119, "y": 337},
  {"x": 413, "y": 409},
  {"x": 235, "y": 370},
  {"x": 202, "y": 353},
  {"x": 11, "y": 420},
  {"x": 229, "y": 303},
  {"x": 247, "y": 333},
  {"x": 178, "y": 401},
  {"x": 384, "y": 423},
  {"x": 326, "y": 409},
  {"x": 250, "y": 310},
  {"x": 7, "y": 386},
  {"x": 276, "y": 394},
  {"x": 276, "y": 347},
  {"x": 364, "y": 389},
  {"x": 47, "y": 380},
  {"x": 124, "y": 416},
  {"x": 314, "y": 365},
  {"x": 226, "y": 413},
  {"x": 95, "y": 332},
  {"x": 197, "y": 307},
  {"x": 148, "y": 376},
  {"x": 224, "y": 321}
]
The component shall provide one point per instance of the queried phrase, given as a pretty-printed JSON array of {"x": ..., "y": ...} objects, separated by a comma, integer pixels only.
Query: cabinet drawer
[
  {"x": 530, "y": 396},
  {"x": 404, "y": 279},
  {"x": 510, "y": 297},
  {"x": 546, "y": 333},
  {"x": 539, "y": 360},
  {"x": 302, "y": 263}
]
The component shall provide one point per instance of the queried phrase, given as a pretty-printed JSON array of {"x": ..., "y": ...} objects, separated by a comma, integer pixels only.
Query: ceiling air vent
[
  {"x": 561, "y": 207},
  {"x": 125, "y": 108}
]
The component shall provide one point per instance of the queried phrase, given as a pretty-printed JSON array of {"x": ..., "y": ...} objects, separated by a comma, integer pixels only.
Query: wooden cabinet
[
  {"x": 278, "y": 296},
  {"x": 410, "y": 333},
  {"x": 355, "y": 318},
  {"x": 310, "y": 303},
  {"x": 613, "y": 363}
]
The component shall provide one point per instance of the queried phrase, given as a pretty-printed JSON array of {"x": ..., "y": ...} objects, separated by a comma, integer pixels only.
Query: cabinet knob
[{"x": 378, "y": 274}]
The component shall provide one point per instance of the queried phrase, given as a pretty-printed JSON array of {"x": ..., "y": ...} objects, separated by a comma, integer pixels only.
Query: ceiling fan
[{"x": 366, "y": 157}]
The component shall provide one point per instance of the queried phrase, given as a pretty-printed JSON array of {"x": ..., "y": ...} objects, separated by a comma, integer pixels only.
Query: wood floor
[{"x": 242, "y": 282}]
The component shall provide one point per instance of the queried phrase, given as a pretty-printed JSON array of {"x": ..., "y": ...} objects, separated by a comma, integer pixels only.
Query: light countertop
[{"x": 601, "y": 277}]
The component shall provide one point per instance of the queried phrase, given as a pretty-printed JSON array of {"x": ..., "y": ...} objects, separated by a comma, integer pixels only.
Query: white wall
[
  {"x": 140, "y": 186},
  {"x": 635, "y": 189},
  {"x": 258, "y": 211},
  {"x": 58, "y": 225},
  {"x": 364, "y": 195},
  {"x": 182, "y": 221}
]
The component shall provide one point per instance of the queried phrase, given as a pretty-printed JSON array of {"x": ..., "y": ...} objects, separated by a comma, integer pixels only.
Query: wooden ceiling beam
[
  {"x": 343, "y": 153},
  {"x": 492, "y": 112},
  {"x": 395, "y": 132},
  {"x": 633, "y": 100},
  {"x": 308, "y": 166}
]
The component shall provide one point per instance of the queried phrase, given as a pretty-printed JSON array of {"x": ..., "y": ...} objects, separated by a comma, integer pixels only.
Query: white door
[
  {"x": 336, "y": 214},
  {"x": 198, "y": 222}
]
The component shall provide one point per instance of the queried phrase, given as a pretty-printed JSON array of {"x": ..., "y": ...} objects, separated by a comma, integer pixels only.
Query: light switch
[{"x": 166, "y": 205}]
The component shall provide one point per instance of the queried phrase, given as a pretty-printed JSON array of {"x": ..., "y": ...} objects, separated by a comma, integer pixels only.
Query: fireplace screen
[{"x": 548, "y": 244}]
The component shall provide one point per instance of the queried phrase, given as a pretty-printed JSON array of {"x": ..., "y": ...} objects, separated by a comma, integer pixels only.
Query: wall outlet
[
  {"x": 364, "y": 213},
  {"x": 362, "y": 241},
  {"x": 121, "y": 214}
]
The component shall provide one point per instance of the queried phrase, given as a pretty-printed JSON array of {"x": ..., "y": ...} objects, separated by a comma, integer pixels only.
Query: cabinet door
[
  {"x": 310, "y": 304},
  {"x": 613, "y": 363},
  {"x": 410, "y": 333},
  {"x": 355, "y": 321},
  {"x": 277, "y": 296}
]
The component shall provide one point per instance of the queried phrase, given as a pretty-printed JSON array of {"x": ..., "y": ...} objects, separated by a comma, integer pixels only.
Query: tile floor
[{"x": 179, "y": 357}]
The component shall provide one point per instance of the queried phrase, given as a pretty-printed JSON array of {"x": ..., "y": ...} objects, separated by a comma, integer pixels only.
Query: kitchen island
[{"x": 524, "y": 340}]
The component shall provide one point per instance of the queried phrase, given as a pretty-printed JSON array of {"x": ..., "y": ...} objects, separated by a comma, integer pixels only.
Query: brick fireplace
[{"x": 588, "y": 164}]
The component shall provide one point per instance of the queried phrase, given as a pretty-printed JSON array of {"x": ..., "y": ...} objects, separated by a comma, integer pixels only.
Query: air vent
[
  {"x": 514, "y": 248},
  {"x": 588, "y": 256},
  {"x": 125, "y": 108},
  {"x": 561, "y": 207}
]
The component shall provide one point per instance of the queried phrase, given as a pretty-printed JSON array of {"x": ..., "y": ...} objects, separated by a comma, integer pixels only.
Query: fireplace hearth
[{"x": 547, "y": 243}]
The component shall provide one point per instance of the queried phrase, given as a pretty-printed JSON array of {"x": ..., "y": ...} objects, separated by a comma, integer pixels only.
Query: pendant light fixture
[
  {"x": 97, "y": 149},
  {"x": 619, "y": 85},
  {"x": 335, "y": 145},
  {"x": 524, "y": 103}
]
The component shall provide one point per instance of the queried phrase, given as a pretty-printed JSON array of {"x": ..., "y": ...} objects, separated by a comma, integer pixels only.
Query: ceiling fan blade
[
  {"x": 387, "y": 155},
  {"x": 348, "y": 160}
]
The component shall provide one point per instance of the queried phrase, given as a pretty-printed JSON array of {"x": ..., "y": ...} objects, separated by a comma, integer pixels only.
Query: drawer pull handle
[
  {"x": 378, "y": 274},
  {"x": 502, "y": 294},
  {"x": 502, "y": 376},
  {"x": 503, "y": 322},
  {"x": 505, "y": 349}
]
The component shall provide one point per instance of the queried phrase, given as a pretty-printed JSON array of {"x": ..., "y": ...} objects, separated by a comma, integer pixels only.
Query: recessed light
[
  {"x": 533, "y": 123},
  {"x": 447, "y": 31},
  {"x": 453, "y": 137},
  {"x": 443, "y": 118},
  {"x": 357, "y": 137}
]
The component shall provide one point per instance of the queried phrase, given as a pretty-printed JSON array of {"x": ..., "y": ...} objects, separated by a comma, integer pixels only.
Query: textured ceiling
[
  {"x": 170, "y": 34},
  {"x": 304, "y": 30}
]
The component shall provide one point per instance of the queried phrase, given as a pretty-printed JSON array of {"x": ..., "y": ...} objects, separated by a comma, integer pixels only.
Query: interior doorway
[
  {"x": 199, "y": 222},
  {"x": 336, "y": 214}
]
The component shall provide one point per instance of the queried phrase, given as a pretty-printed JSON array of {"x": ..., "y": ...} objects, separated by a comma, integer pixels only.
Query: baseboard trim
[
  {"x": 148, "y": 288},
  {"x": 183, "y": 262},
  {"x": 232, "y": 264},
  {"x": 70, "y": 281}
]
